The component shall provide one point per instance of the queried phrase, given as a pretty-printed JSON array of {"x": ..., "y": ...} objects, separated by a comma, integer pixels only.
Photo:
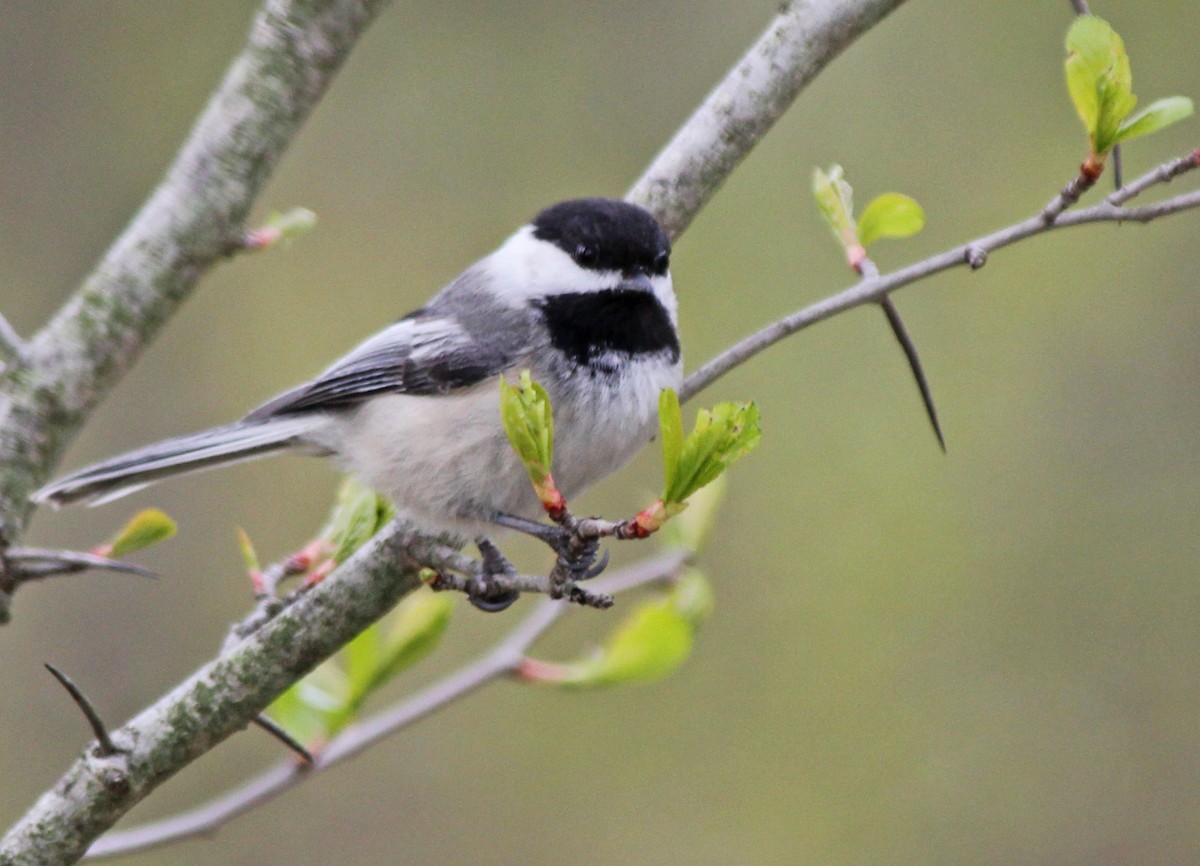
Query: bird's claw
[
  {"x": 487, "y": 591},
  {"x": 576, "y": 555},
  {"x": 489, "y": 597}
]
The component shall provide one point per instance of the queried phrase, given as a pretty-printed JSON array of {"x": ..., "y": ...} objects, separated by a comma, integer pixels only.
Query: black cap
[{"x": 604, "y": 234}]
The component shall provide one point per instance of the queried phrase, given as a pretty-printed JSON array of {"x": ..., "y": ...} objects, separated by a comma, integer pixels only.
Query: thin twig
[
  {"x": 973, "y": 254},
  {"x": 1164, "y": 173},
  {"x": 1072, "y": 192},
  {"x": 35, "y": 563},
  {"x": 500, "y": 661},
  {"x": 107, "y": 746}
]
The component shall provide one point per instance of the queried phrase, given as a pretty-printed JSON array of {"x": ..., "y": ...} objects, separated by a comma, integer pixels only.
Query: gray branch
[
  {"x": 192, "y": 220},
  {"x": 803, "y": 39},
  {"x": 500, "y": 661},
  {"x": 219, "y": 699},
  {"x": 973, "y": 254}
]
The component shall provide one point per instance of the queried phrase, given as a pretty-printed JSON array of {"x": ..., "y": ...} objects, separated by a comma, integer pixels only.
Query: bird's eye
[
  {"x": 586, "y": 256},
  {"x": 662, "y": 261}
]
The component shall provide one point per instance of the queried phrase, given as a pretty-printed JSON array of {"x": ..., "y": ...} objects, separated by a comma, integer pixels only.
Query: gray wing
[{"x": 424, "y": 353}]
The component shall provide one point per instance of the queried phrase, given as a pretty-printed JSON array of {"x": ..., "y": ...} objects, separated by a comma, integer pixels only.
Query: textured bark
[
  {"x": 193, "y": 219},
  {"x": 803, "y": 39}
]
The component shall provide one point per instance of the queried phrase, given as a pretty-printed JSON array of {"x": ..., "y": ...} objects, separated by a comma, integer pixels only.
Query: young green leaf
[
  {"x": 529, "y": 424},
  {"x": 307, "y": 709},
  {"x": 651, "y": 643},
  {"x": 357, "y": 515},
  {"x": 359, "y": 661},
  {"x": 285, "y": 227},
  {"x": 1099, "y": 80},
  {"x": 670, "y": 430},
  {"x": 386, "y": 649},
  {"x": 144, "y": 529},
  {"x": 1157, "y": 115},
  {"x": 329, "y": 698},
  {"x": 692, "y": 596},
  {"x": 719, "y": 438},
  {"x": 414, "y": 632},
  {"x": 891, "y": 215},
  {"x": 835, "y": 200},
  {"x": 1092, "y": 49},
  {"x": 246, "y": 546}
]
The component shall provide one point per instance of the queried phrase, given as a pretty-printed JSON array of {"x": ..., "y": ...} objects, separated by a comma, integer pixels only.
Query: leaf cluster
[
  {"x": 720, "y": 436},
  {"x": 1100, "y": 83},
  {"x": 891, "y": 215},
  {"x": 528, "y": 421}
]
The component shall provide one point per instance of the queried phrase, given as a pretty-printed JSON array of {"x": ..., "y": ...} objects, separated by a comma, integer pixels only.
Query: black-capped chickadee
[{"x": 581, "y": 297}]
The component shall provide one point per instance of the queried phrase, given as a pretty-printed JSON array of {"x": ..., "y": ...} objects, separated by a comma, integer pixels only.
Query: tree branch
[
  {"x": 193, "y": 219},
  {"x": 500, "y": 661},
  {"x": 219, "y": 699},
  {"x": 973, "y": 254},
  {"x": 800, "y": 42}
]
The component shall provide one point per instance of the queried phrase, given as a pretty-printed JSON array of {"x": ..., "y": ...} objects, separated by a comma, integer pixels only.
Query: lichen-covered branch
[
  {"x": 193, "y": 219},
  {"x": 802, "y": 40},
  {"x": 504, "y": 658},
  {"x": 219, "y": 699}
]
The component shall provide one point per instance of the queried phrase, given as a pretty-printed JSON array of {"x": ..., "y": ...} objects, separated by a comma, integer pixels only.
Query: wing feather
[{"x": 421, "y": 354}]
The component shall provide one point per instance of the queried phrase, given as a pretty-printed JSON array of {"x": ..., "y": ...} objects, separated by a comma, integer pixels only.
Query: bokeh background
[{"x": 990, "y": 656}]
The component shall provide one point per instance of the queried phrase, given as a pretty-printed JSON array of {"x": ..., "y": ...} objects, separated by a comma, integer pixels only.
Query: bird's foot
[
  {"x": 573, "y": 542},
  {"x": 491, "y": 590}
]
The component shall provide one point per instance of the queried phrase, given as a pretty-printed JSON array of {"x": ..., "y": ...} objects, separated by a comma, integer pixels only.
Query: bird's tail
[{"x": 119, "y": 476}]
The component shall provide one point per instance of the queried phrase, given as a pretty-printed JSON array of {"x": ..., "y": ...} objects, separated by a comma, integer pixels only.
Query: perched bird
[{"x": 581, "y": 297}]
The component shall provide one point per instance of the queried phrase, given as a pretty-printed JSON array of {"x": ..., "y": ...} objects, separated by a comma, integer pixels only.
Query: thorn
[
  {"x": 275, "y": 730},
  {"x": 914, "y": 364},
  {"x": 107, "y": 746},
  {"x": 1118, "y": 180}
]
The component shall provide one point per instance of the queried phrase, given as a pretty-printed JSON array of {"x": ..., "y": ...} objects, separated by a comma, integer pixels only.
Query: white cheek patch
[{"x": 524, "y": 268}]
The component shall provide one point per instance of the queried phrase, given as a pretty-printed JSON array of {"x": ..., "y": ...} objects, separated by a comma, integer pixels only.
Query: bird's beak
[{"x": 636, "y": 282}]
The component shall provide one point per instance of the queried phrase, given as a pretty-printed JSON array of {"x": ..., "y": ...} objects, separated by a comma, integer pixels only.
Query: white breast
[{"x": 447, "y": 465}]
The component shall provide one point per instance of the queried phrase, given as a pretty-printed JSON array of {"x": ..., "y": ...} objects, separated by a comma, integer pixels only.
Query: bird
[{"x": 581, "y": 297}]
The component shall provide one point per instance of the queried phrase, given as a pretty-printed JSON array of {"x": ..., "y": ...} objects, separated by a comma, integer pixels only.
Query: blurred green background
[{"x": 985, "y": 657}]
